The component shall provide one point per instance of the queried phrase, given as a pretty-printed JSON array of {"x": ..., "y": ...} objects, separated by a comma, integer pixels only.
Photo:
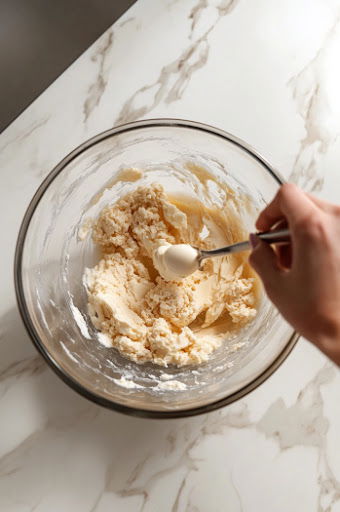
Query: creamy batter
[
  {"x": 151, "y": 318},
  {"x": 174, "y": 262}
]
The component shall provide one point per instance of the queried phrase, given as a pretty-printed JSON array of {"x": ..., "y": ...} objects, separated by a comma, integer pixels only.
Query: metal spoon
[
  {"x": 271, "y": 237},
  {"x": 181, "y": 260}
]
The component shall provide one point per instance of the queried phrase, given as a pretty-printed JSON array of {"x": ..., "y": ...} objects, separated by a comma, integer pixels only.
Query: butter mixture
[{"x": 149, "y": 318}]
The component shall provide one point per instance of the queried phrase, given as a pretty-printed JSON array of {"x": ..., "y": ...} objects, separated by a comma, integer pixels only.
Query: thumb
[{"x": 264, "y": 261}]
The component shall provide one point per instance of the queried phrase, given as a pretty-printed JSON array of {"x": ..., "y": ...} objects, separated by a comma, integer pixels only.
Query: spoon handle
[
  {"x": 271, "y": 237},
  {"x": 275, "y": 237}
]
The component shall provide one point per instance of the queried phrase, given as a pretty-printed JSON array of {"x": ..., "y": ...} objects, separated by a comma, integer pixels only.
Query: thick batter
[{"x": 148, "y": 318}]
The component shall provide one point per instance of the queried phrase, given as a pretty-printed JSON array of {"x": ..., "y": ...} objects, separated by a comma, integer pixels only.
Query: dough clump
[{"x": 146, "y": 317}]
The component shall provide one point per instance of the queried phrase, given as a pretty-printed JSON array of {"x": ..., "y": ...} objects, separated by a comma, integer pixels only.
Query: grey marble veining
[
  {"x": 267, "y": 72},
  {"x": 175, "y": 76},
  {"x": 310, "y": 93},
  {"x": 97, "y": 88}
]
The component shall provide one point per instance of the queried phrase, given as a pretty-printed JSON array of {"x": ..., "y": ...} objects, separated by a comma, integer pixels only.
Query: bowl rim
[{"x": 20, "y": 296}]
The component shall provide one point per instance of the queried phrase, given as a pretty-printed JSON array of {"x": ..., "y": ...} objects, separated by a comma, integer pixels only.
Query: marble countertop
[{"x": 268, "y": 72}]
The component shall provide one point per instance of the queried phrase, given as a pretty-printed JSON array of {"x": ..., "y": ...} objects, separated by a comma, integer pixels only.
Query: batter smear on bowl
[{"x": 148, "y": 318}]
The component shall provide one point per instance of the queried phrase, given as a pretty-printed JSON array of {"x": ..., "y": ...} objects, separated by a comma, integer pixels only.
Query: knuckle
[
  {"x": 286, "y": 190},
  {"x": 311, "y": 227}
]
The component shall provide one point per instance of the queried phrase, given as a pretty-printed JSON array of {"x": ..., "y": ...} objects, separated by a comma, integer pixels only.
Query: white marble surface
[{"x": 267, "y": 71}]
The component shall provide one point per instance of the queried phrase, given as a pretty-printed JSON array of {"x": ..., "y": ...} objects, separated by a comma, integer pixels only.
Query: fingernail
[{"x": 254, "y": 240}]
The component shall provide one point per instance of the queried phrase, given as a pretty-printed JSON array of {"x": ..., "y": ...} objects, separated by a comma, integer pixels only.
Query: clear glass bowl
[{"x": 50, "y": 259}]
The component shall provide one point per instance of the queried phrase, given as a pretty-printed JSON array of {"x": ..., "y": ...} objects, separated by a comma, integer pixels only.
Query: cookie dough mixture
[{"x": 148, "y": 318}]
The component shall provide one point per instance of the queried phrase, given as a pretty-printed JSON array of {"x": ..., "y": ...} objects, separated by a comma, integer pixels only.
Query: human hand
[{"x": 302, "y": 279}]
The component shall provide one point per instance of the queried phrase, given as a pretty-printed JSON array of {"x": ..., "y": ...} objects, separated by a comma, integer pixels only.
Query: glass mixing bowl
[{"x": 53, "y": 250}]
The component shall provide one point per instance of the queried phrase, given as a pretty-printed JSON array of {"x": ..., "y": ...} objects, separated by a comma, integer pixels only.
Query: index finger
[{"x": 290, "y": 203}]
